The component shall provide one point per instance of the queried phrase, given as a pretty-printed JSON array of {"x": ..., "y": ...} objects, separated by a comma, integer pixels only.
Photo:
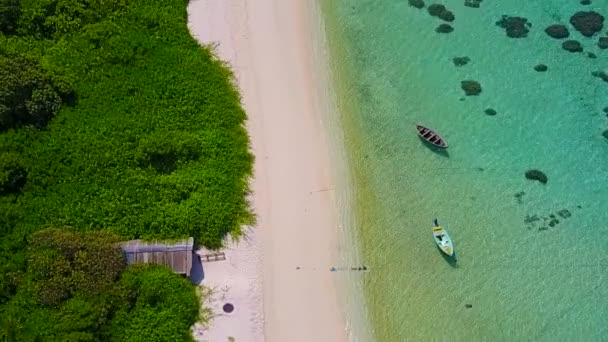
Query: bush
[{"x": 13, "y": 174}]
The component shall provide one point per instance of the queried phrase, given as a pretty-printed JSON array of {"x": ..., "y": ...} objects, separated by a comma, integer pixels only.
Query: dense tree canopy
[
  {"x": 113, "y": 119},
  {"x": 9, "y": 15}
]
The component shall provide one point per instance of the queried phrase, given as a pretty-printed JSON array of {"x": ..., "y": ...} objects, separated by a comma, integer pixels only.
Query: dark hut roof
[{"x": 176, "y": 255}]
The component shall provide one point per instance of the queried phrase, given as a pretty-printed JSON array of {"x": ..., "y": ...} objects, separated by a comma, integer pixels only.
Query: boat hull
[
  {"x": 431, "y": 137},
  {"x": 443, "y": 240}
]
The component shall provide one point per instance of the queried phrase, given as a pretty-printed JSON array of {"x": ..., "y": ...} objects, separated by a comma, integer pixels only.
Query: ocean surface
[{"x": 532, "y": 258}]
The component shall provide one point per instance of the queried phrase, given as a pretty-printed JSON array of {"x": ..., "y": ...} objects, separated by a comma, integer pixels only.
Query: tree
[
  {"x": 9, "y": 15},
  {"x": 13, "y": 174},
  {"x": 29, "y": 96}
]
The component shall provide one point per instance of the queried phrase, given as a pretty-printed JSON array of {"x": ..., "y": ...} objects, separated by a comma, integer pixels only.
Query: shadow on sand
[
  {"x": 197, "y": 274},
  {"x": 440, "y": 151}
]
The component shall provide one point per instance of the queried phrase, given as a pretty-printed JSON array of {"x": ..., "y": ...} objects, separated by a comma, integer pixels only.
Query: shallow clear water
[{"x": 525, "y": 280}]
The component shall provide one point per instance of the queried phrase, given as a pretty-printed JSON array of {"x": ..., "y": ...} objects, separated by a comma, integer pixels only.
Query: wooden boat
[
  {"x": 431, "y": 137},
  {"x": 442, "y": 239}
]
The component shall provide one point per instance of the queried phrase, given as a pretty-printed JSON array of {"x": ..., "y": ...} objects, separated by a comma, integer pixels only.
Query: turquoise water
[{"x": 525, "y": 281}]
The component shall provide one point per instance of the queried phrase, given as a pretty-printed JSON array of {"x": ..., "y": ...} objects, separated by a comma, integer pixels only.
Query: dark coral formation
[
  {"x": 587, "y": 23},
  {"x": 444, "y": 28},
  {"x": 602, "y": 43},
  {"x": 472, "y": 3},
  {"x": 557, "y": 31},
  {"x": 519, "y": 197},
  {"x": 437, "y": 10},
  {"x": 537, "y": 175},
  {"x": 605, "y": 110},
  {"x": 470, "y": 87},
  {"x": 516, "y": 27},
  {"x": 460, "y": 61},
  {"x": 572, "y": 46},
  {"x": 534, "y": 221},
  {"x": 490, "y": 112},
  {"x": 585, "y": 2},
  {"x": 541, "y": 68},
  {"x": 601, "y": 74},
  {"x": 605, "y": 134},
  {"x": 416, "y": 3},
  {"x": 591, "y": 55}
]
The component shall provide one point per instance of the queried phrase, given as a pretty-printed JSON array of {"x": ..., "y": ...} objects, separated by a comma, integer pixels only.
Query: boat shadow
[
  {"x": 451, "y": 260},
  {"x": 440, "y": 151}
]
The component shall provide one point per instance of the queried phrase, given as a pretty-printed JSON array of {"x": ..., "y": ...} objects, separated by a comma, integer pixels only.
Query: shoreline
[{"x": 270, "y": 49}]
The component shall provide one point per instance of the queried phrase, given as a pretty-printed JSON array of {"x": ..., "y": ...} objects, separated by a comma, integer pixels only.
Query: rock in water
[
  {"x": 460, "y": 61},
  {"x": 437, "y": 10},
  {"x": 537, "y": 175},
  {"x": 516, "y": 27},
  {"x": 572, "y": 46},
  {"x": 587, "y": 23},
  {"x": 472, "y": 3},
  {"x": 470, "y": 87},
  {"x": 490, "y": 112},
  {"x": 601, "y": 74},
  {"x": 444, "y": 28},
  {"x": 416, "y": 3},
  {"x": 557, "y": 31}
]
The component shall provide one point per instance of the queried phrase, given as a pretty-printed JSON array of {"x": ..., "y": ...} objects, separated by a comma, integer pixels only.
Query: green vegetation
[
  {"x": 114, "y": 120},
  {"x": 75, "y": 288}
]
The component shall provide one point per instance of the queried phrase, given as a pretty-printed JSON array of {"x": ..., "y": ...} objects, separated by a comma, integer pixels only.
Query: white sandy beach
[{"x": 269, "y": 45}]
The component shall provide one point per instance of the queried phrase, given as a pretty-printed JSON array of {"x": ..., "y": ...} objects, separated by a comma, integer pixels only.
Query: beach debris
[
  {"x": 472, "y": 3},
  {"x": 490, "y": 111},
  {"x": 587, "y": 23},
  {"x": 585, "y": 2},
  {"x": 519, "y": 197},
  {"x": 416, "y": 3},
  {"x": 439, "y": 11},
  {"x": 601, "y": 74},
  {"x": 541, "y": 68},
  {"x": 353, "y": 268},
  {"x": 470, "y": 87},
  {"x": 516, "y": 27},
  {"x": 557, "y": 31},
  {"x": 298, "y": 267},
  {"x": 536, "y": 175},
  {"x": 461, "y": 61},
  {"x": 468, "y": 306},
  {"x": 591, "y": 55},
  {"x": 228, "y": 308},
  {"x": 444, "y": 28},
  {"x": 572, "y": 46},
  {"x": 602, "y": 43}
]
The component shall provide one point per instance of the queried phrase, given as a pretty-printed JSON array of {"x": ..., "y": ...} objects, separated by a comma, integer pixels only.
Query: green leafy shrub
[
  {"x": 166, "y": 152},
  {"x": 13, "y": 174},
  {"x": 54, "y": 18}
]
